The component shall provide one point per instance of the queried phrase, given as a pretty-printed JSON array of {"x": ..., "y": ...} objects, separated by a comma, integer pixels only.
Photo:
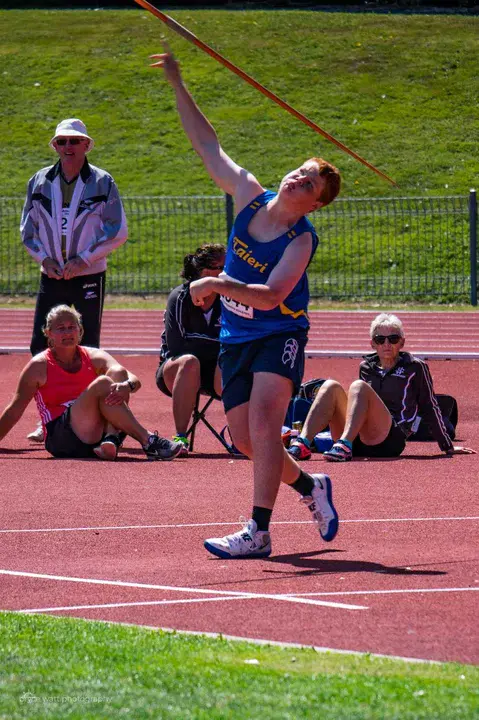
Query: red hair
[{"x": 333, "y": 181}]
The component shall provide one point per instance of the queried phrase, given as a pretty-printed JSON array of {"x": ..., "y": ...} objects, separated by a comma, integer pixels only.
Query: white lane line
[
  {"x": 131, "y": 604},
  {"x": 175, "y": 526},
  {"x": 173, "y": 588},
  {"x": 388, "y": 592}
]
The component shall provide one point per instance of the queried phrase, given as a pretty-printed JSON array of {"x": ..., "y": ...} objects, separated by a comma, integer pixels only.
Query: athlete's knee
[
  {"x": 101, "y": 386},
  {"x": 329, "y": 387},
  {"x": 117, "y": 374},
  {"x": 359, "y": 386},
  {"x": 189, "y": 366}
]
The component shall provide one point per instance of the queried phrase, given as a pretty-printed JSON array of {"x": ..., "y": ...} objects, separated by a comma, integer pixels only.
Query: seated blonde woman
[
  {"x": 82, "y": 397},
  {"x": 375, "y": 417}
]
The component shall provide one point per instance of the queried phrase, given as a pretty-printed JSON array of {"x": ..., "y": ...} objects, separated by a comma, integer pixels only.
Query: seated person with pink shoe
[{"x": 376, "y": 416}]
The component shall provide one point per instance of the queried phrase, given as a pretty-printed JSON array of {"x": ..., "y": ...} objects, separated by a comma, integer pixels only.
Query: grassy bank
[
  {"x": 398, "y": 89},
  {"x": 58, "y": 668},
  {"x": 158, "y": 302}
]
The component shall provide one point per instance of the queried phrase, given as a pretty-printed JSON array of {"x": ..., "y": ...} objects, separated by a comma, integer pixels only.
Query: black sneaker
[{"x": 160, "y": 448}]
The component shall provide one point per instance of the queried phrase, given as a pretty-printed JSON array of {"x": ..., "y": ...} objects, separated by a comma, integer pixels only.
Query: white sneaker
[
  {"x": 36, "y": 435},
  {"x": 107, "y": 449},
  {"x": 246, "y": 543},
  {"x": 320, "y": 504}
]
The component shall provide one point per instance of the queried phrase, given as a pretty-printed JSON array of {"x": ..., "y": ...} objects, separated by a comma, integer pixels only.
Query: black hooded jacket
[
  {"x": 408, "y": 393},
  {"x": 187, "y": 331}
]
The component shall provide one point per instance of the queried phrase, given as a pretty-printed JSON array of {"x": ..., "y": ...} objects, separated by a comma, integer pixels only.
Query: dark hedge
[{"x": 468, "y": 6}]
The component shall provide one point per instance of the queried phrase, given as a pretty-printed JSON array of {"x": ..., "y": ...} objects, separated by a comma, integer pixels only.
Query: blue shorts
[
  {"x": 61, "y": 441},
  {"x": 281, "y": 354}
]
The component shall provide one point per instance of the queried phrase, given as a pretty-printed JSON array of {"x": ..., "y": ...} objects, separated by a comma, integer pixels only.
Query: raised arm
[
  {"x": 229, "y": 176},
  {"x": 28, "y": 384}
]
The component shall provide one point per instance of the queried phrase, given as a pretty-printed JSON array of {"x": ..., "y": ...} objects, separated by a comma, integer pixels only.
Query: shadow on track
[{"x": 311, "y": 565}]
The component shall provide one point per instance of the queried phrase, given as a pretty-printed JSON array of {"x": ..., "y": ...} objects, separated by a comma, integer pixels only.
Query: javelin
[{"x": 207, "y": 49}]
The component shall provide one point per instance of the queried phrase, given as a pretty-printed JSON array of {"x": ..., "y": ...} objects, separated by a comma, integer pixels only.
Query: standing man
[
  {"x": 264, "y": 292},
  {"x": 72, "y": 219}
]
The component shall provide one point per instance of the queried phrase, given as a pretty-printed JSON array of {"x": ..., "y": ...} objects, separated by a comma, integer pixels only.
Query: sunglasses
[
  {"x": 71, "y": 140},
  {"x": 381, "y": 339}
]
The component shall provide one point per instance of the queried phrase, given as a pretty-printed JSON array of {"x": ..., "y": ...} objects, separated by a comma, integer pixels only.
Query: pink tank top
[{"x": 62, "y": 388}]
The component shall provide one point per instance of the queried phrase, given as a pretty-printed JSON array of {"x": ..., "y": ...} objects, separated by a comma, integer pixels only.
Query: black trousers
[{"x": 85, "y": 292}]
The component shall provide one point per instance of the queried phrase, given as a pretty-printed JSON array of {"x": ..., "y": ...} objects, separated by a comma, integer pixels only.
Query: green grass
[
  {"x": 158, "y": 302},
  {"x": 398, "y": 89},
  {"x": 63, "y": 668}
]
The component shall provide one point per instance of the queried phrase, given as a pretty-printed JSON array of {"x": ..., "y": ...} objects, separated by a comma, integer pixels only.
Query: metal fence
[{"x": 402, "y": 249}]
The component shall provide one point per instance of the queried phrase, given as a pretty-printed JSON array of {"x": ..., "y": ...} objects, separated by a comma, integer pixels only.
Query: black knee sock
[
  {"x": 304, "y": 484},
  {"x": 261, "y": 516}
]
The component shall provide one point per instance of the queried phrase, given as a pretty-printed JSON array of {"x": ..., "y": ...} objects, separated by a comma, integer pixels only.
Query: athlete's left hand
[
  {"x": 73, "y": 267},
  {"x": 460, "y": 450},
  {"x": 119, "y": 393},
  {"x": 200, "y": 289}
]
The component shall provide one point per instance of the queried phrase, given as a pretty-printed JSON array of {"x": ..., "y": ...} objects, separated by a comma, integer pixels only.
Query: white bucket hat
[{"x": 72, "y": 127}]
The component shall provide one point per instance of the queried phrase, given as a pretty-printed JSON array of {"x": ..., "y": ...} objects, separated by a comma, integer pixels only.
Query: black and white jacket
[
  {"x": 188, "y": 330},
  {"x": 408, "y": 393},
  {"x": 96, "y": 223}
]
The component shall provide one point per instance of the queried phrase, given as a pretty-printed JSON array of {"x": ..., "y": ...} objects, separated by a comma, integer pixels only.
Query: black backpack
[
  {"x": 300, "y": 404},
  {"x": 449, "y": 411}
]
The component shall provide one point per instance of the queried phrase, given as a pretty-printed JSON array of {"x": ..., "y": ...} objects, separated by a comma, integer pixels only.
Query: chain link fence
[{"x": 402, "y": 249}]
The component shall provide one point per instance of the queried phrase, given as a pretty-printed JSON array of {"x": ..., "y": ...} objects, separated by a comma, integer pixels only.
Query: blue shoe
[
  {"x": 340, "y": 452},
  {"x": 299, "y": 449},
  {"x": 320, "y": 504}
]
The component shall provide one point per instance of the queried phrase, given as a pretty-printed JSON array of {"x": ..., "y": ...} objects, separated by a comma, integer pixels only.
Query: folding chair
[{"x": 199, "y": 414}]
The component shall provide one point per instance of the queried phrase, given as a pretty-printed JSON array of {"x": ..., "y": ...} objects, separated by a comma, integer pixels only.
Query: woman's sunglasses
[
  {"x": 71, "y": 140},
  {"x": 381, "y": 339}
]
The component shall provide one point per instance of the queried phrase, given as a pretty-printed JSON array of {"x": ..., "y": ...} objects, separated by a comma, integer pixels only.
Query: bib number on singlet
[{"x": 244, "y": 311}]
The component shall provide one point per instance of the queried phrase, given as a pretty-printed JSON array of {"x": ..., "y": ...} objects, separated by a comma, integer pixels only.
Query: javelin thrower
[{"x": 264, "y": 295}]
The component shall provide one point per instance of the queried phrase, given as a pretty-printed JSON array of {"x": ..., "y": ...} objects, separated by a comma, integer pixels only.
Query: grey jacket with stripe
[
  {"x": 408, "y": 393},
  {"x": 96, "y": 222}
]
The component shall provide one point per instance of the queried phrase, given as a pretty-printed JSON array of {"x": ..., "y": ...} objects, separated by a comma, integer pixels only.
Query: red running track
[
  {"x": 123, "y": 541},
  {"x": 333, "y": 333}
]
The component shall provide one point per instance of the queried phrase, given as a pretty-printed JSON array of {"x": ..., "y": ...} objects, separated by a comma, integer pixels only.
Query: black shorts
[
  {"x": 281, "y": 354},
  {"x": 207, "y": 378},
  {"x": 61, "y": 441},
  {"x": 391, "y": 446}
]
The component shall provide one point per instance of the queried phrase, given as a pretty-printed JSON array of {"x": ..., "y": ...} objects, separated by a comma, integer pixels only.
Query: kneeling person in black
[{"x": 190, "y": 340}]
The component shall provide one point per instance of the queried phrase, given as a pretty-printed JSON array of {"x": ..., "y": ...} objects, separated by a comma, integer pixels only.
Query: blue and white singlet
[{"x": 250, "y": 261}]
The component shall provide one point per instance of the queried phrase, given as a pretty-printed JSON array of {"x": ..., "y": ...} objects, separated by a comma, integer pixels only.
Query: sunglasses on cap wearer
[
  {"x": 381, "y": 339},
  {"x": 71, "y": 140}
]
